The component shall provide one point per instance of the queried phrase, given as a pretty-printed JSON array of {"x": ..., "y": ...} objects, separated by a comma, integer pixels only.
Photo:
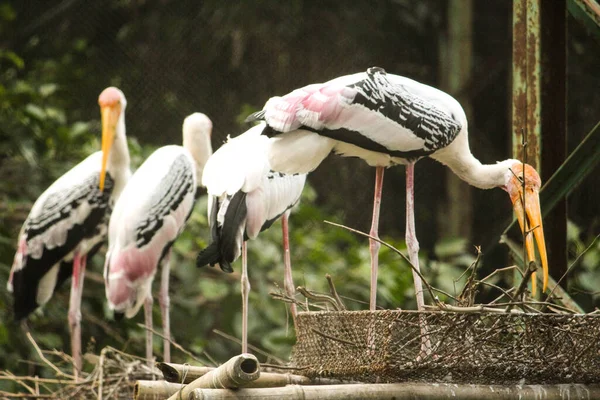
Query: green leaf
[
  {"x": 47, "y": 89},
  {"x": 35, "y": 111}
]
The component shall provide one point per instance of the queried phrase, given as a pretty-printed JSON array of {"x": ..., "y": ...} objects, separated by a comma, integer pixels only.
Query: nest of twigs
[
  {"x": 113, "y": 377},
  {"x": 490, "y": 348}
]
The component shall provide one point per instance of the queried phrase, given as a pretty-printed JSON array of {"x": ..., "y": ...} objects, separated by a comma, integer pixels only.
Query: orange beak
[
  {"x": 532, "y": 212},
  {"x": 110, "y": 117}
]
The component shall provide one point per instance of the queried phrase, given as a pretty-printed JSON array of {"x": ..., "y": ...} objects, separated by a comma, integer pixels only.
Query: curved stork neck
[
  {"x": 200, "y": 148},
  {"x": 458, "y": 157},
  {"x": 118, "y": 158}
]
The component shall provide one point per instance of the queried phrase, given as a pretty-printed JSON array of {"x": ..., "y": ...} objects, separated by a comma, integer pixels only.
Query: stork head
[
  {"x": 523, "y": 185},
  {"x": 112, "y": 104},
  {"x": 197, "y": 130}
]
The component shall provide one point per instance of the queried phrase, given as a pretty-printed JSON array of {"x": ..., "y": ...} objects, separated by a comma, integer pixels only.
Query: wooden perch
[
  {"x": 154, "y": 390},
  {"x": 178, "y": 373},
  {"x": 402, "y": 391},
  {"x": 236, "y": 372}
]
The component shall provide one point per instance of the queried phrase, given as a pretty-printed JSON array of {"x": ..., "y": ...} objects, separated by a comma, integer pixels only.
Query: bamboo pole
[
  {"x": 404, "y": 391},
  {"x": 180, "y": 373},
  {"x": 185, "y": 374},
  {"x": 154, "y": 390},
  {"x": 236, "y": 372}
]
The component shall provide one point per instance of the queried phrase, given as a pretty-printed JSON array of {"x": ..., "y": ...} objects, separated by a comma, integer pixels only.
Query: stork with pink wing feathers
[
  {"x": 387, "y": 120},
  {"x": 149, "y": 216}
]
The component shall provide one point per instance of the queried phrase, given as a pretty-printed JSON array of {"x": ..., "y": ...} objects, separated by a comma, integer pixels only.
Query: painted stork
[
  {"x": 245, "y": 198},
  {"x": 148, "y": 217},
  {"x": 68, "y": 223},
  {"x": 387, "y": 120}
]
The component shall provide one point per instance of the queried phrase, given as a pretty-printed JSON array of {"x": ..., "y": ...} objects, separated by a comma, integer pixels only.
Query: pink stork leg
[
  {"x": 79, "y": 263},
  {"x": 411, "y": 237},
  {"x": 288, "y": 281},
  {"x": 413, "y": 251},
  {"x": 165, "y": 302},
  {"x": 373, "y": 244},
  {"x": 149, "y": 335},
  {"x": 245, "y": 291}
]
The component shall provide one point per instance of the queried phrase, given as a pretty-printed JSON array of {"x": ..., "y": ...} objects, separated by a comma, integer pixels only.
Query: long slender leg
[
  {"x": 165, "y": 302},
  {"x": 149, "y": 335},
  {"x": 373, "y": 244},
  {"x": 413, "y": 251},
  {"x": 288, "y": 281},
  {"x": 245, "y": 292},
  {"x": 79, "y": 263}
]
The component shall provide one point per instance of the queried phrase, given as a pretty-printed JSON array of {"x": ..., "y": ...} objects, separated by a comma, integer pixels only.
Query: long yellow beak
[
  {"x": 110, "y": 116},
  {"x": 534, "y": 229}
]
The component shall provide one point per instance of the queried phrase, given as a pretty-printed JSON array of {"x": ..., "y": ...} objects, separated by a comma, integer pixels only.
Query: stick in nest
[
  {"x": 178, "y": 346},
  {"x": 320, "y": 297},
  {"x": 334, "y": 292},
  {"x": 467, "y": 295},
  {"x": 395, "y": 250},
  {"x": 58, "y": 371}
]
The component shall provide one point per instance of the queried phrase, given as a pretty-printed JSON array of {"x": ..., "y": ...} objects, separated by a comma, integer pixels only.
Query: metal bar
[{"x": 526, "y": 106}]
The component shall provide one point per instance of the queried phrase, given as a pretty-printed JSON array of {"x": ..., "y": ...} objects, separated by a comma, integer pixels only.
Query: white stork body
[
  {"x": 149, "y": 216},
  {"x": 245, "y": 199},
  {"x": 69, "y": 222},
  {"x": 386, "y": 120}
]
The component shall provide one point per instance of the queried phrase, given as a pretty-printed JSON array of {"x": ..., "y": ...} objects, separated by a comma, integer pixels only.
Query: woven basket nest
[{"x": 487, "y": 348}]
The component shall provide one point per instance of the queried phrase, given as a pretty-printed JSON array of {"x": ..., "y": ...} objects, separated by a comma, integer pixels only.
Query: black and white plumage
[
  {"x": 148, "y": 217},
  {"x": 245, "y": 198},
  {"x": 71, "y": 214},
  {"x": 386, "y": 120},
  {"x": 69, "y": 222}
]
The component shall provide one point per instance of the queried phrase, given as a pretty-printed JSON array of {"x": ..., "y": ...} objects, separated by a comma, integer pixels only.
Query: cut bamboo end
[
  {"x": 184, "y": 373},
  {"x": 154, "y": 390},
  {"x": 235, "y": 373}
]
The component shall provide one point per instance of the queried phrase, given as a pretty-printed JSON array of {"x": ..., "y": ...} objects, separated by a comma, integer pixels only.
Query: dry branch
[{"x": 236, "y": 372}]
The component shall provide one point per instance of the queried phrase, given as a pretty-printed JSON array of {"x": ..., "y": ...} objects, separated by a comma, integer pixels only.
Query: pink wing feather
[{"x": 315, "y": 106}]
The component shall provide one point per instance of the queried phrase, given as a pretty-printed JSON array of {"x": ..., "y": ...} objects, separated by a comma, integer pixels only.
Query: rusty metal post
[
  {"x": 539, "y": 103},
  {"x": 526, "y": 106},
  {"x": 455, "y": 73}
]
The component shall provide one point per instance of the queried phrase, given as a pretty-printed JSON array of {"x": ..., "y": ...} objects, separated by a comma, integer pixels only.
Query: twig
[
  {"x": 569, "y": 269},
  {"x": 469, "y": 290},
  {"x": 395, "y": 250},
  {"x": 504, "y": 292},
  {"x": 530, "y": 270},
  {"x": 444, "y": 293},
  {"x": 256, "y": 349},
  {"x": 471, "y": 309},
  {"x": 176, "y": 345},
  {"x": 497, "y": 271},
  {"x": 41, "y": 355},
  {"x": 281, "y": 296},
  {"x": 334, "y": 293},
  {"x": 27, "y": 395},
  {"x": 318, "y": 297}
]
